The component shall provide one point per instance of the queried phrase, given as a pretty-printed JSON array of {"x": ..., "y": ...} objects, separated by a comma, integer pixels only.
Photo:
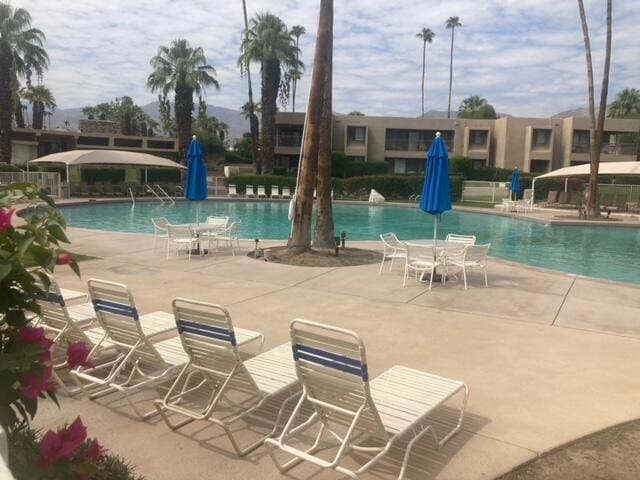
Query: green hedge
[
  {"x": 342, "y": 167},
  {"x": 7, "y": 167}
]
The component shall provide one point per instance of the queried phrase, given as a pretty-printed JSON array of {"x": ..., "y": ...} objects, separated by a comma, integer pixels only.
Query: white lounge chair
[
  {"x": 261, "y": 192},
  {"x": 473, "y": 257},
  {"x": 143, "y": 359},
  {"x": 393, "y": 248},
  {"x": 422, "y": 259},
  {"x": 463, "y": 239},
  {"x": 249, "y": 191},
  {"x": 232, "y": 191},
  {"x": 286, "y": 192},
  {"x": 212, "y": 342},
  {"x": 367, "y": 417},
  {"x": 181, "y": 238},
  {"x": 275, "y": 191},
  {"x": 159, "y": 229},
  {"x": 230, "y": 236}
]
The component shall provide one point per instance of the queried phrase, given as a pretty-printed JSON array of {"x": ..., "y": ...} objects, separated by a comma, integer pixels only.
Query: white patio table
[
  {"x": 200, "y": 228},
  {"x": 441, "y": 249}
]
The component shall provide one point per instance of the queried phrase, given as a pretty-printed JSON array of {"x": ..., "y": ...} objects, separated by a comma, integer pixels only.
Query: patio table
[
  {"x": 441, "y": 249},
  {"x": 200, "y": 228}
]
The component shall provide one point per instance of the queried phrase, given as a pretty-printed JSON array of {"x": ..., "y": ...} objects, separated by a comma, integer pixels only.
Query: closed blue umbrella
[
  {"x": 196, "y": 187},
  {"x": 436, "y": 192},
  {"x": 515, "y": 182}
]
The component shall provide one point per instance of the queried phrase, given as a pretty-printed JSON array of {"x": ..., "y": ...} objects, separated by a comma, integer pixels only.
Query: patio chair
[
  {"x": 218, "y": 226},
  {"x": 524, "y": 206},
  {"x": 286, "y": 192},
  {"x": 84, "y": 189},
  {"x": 552, "y": 196},
  {"x": 181, "y": 238},
  {"x": 275, "y": 191},
  {"x": 230, "y": 236},
  {"x": 261, "y": 192},
  {"x": 249, "y": 192},
  {"x": 99, "y": 189},
  {"x": 160, "y": 230},
  {"x": 463, "y": 239},
  {"x": 473, "y": 257},
  {"x": 363, "y": 416},
  {"x": 211, "y": 342},
  {"x": 108, "y": 189},
  {"x": 144, "y": 357},
  {"x": 393, "y": 248},
  {"x": 232, "y": 191},
  {"x": 422, "y": 259}
]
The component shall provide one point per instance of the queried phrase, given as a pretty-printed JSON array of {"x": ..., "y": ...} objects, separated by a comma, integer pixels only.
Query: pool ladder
[{"x": 150, "y": 188}]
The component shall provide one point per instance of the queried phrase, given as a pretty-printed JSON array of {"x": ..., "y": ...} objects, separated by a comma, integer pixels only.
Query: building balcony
[{"x": 624, "y": 149}]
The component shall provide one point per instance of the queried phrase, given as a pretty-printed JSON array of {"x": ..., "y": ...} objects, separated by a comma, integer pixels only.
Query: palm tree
[
  {"x": 426, "y": 35},
  {"x": 626, "y": 104},
  {"x": 254, "y": 124},
  {"x": 20, "y": 51},
  {"x": 452, "y": 23},
  {"x": 184, "y": 70},
  {"x": 596, "y": 132},
  {"x": 269, "y": 42},
  {"x": 476, "y": 107},
  {"x": 40, "y": 98},
  {"x": 297, "y": 31}
]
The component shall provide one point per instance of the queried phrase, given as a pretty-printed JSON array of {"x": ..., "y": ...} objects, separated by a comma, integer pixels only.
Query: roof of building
[
  {"x": 107, "y": 157},
  {"x": 605, "y": 168}
]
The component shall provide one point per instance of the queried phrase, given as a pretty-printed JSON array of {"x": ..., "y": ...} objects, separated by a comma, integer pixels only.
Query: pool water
[{"x": 604, "y": 252}]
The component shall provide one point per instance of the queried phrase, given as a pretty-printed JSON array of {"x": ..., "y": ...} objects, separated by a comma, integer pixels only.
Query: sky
[{"x": 526, "y": 57}]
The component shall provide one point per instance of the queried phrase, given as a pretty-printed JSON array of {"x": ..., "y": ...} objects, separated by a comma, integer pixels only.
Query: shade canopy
[
  {"x": 605, "y": 168},
  {"x": 436, "y": 191},
  {"x": 106, "y": 157},
  {"x": 196, "y": 187}
]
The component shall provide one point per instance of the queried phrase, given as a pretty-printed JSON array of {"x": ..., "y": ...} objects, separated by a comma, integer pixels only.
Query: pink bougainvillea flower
[
  {"x": 78, "y": 356},
  {"x": 94, "y": 451},
  {"x": 72, "y": 437},
  {"x": 5, "y": 219},
  {"x": 35, "y": 383},
  {"x": 38, "y": 336},
  {"x": 64, "y": 444},
  {"x": 49, "y": 447},
  {"x": 64, "y": 259}
]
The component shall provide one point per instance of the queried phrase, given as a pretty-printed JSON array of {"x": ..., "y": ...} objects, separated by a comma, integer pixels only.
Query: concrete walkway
[{"x": 548, "y": 357}]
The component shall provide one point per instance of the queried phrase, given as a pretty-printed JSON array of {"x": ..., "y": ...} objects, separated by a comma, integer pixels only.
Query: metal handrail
[
  {"x": 133, "y": 200},
  {"x": 165, "y": 194},
  {"x": 150, "y": 189}
]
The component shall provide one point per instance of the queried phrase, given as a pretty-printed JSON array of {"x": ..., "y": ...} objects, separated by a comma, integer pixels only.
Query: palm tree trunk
[
  {"x": 301, "y": 236},
  {"x": 295, "y": 81},
  {"x": 184, "y": 110},
  {"x": 254, "y": 125},
  {"x": 19, "y": 115},
  {"x": 6, "y": 102},
  {"x": 450, "y": 74},
  {"x": 270, "y": 86},
  {"x": 38, "y": 115},
  {"x": 325, "y": 230},
  {"x": 424, "y": 58}
]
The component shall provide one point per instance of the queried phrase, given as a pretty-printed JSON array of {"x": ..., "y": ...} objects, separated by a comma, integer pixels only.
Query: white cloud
[{"x": 525, "y": 56}]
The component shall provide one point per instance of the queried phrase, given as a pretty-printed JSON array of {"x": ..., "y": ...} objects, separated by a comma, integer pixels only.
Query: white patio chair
[
  {"x": 144, "y": 358},
  {"x": 367, "y": 417},
  {"x": 474, "y": 257},
  {"x": 232, "y": 191},
  {"x": 422, "y": 260},
  {"x": 249, "y": 192},
  {"x": 211, "y": 342},
  {"x": 275, "y": 191},
  {"x": 217, "y": 225},
  {"x": 159, "y": 229},
  {"x": 524, "y": 206},
  {"x": 261, "y": 192},
  {"x": 230, "y": 236},
  {"x": 393, "y": 248},
  {"x": 286, "y": 192},
  {"x": 463, "y": 239},
  {"x": 181, "y": 238}
]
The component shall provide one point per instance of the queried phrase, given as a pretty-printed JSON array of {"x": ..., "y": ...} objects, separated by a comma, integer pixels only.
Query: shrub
[
  {"x": 395, "y": 186},
  {"x": 163, "y": 175},
  {"x": 338, "y": 165},
  {"x": 231, "y": 157},
  {"x": 356, "y": 169},
  {"x": 7, "y": 167},
  {"x": 462, "y": 166}
]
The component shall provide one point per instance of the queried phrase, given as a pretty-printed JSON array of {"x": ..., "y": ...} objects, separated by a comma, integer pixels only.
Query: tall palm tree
[
  {"x": 184, "y": 70},
  {"x": 269, "y": 42},
  {"x": 476, "y": 107},
  {"x": 21, "y": 49},
  {"x": 596, "y": 132},
  {"x": 40, "y": 97},
  {"x": 626, "y": 104},
  {"x": 254, "y": 124},
  {"x": 297, "y": 31},
  {"x": 426, "y": 35},
  {"x": 452, "y": 23}
]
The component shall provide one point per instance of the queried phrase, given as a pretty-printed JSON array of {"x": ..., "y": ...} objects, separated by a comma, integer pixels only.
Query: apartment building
[{"x": 533, "y": 144}]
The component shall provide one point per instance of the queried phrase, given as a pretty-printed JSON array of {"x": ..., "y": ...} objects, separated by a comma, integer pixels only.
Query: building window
[
  {"x": 356, "y": 136},
  {"x": 541, "y": 139},
  {"x": 407, "y": 165},
  {"x": 415, "y": 140},
  {"x": 161, "y": 144},
  {"x": 478, "y": 163},
  {"x": 580, "y": 141},
  {"x": 127, "y": 142},
  {"x": 397, "y": 139},
  {"x": 97, "y": 141},
  {"x": 353, "y": 158},
  {"x": 539, "y": 166},
  {"x": 478, "y": 138},
  {"x": 289, "y": 136}
]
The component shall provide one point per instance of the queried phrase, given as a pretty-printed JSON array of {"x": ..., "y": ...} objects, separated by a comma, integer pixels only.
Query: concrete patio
[{"x": 548, "y": 357}]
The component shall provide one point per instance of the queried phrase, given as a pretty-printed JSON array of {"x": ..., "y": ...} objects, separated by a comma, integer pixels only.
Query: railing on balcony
[
  {"x": 289, "y": 140},
  {"x": 608, "y": 148}
]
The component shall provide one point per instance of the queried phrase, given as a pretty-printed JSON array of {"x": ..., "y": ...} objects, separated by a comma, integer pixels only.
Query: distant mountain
[
  {"x": 237, "y": 123},
  {"x": 576, "y": 112},
  {"x": 454, "y": 114}
]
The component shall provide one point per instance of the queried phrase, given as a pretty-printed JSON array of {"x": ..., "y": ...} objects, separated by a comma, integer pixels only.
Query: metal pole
[
  {"x": 566, "y": 184},
  {"x": 146, "y": 175}
]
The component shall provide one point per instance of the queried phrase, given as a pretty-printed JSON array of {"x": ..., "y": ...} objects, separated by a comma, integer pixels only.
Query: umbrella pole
[{"x": 435, "y": 229}]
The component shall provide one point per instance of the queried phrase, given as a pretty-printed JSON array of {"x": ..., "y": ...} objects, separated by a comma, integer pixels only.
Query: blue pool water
[{"x": 604, "y": 252}]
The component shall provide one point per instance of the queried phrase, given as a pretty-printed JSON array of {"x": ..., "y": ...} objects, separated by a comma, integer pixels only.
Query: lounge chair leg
[
  {"x": 431, "y": 279},
  {"x": 381, "y": 266},
  {"x": 464, "y": 277},
  {"x": 486, "y": 281}
]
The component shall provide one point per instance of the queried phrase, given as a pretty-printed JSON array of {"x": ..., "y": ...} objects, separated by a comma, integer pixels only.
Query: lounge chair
[
  {"x": 108, "y": 189},
  {"x": 249, "y": 191},
  {"x": 84, "y": 189},
  {"x": 160, "y": 230},
  {"x": 275, "y": 191},
  {"x": 286, "y": 192},
  {"x": 422, "y": 259},
  {"x": 232, "y": 191},
  {"x": 212, "y": 342},
  {"x": 143, "y": 359},
  {"x": 463, "y": 239},
  {"x": 181, "y": 238},
  {"x": 472, "y": 257},
  {"x": 393, "y": 248},
  {"x": 332, "y": 366},
  {"x": 552, "y": 196},
  {"x": 261, "y": 192}
]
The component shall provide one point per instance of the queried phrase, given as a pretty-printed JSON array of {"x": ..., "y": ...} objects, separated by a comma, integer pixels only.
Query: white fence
[
  {"x": 618, "y": 193},
  {"x": 49, "y": 181},
  {"x": 476, "y": 191}
]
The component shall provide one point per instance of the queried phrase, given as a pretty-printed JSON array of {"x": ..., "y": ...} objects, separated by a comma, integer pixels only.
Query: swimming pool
[{"x": 610, "y": 253}]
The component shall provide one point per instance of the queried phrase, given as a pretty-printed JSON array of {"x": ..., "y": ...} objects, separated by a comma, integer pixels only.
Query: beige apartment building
[{"x": 533, "y": 144}]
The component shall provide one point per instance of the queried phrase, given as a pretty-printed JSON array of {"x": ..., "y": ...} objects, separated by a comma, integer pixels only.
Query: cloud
[{"x": 525, "y": 56}]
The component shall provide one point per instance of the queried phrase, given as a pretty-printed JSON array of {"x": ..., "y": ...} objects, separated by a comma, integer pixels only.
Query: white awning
[
  {"x": 605, "y": 168},
  {"x": 106, "y": 157}
]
